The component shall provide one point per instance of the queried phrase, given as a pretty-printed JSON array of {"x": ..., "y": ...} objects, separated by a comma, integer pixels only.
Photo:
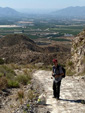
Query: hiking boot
[{"x": 57, "y": 98}]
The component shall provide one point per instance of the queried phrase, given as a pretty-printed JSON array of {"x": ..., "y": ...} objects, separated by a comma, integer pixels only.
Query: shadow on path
[{"x": 75, "y": 101}]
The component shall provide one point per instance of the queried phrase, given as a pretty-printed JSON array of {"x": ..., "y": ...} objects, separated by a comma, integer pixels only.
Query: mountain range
[
  {"x": 66, "y": 12},
  {"x": 6, "y": 12},
  {"x": 71, "y": 12}
]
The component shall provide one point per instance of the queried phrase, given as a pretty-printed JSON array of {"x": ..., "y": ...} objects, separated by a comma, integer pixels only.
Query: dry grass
[
  {"x": 20, "y": 95},
  {"x": 31, "y": 95},
  {"x": 3, "y": 83}
]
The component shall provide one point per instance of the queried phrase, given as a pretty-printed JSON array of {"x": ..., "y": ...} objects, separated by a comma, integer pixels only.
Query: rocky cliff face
[{"x": 77, "y": 61}]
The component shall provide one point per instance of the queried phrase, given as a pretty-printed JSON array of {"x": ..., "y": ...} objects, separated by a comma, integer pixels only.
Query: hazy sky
[{"x": 41, "y": 4}]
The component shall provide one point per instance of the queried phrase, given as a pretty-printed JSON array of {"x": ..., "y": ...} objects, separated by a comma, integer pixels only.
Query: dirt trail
[{"x": 72, "y": 94}]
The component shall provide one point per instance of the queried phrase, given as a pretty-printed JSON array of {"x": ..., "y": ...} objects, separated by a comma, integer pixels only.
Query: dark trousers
[{"x": 56, "y": 89}]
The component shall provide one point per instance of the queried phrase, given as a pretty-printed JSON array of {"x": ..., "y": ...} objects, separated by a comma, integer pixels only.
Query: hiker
[{"x": 57, "y": 74}]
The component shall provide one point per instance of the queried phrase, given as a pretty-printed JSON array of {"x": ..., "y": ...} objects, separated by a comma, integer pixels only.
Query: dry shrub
[
  {"x": 20, "y": 95},
  {"x": 3, "y": 83},
  {"x": 31, "y": 95}
]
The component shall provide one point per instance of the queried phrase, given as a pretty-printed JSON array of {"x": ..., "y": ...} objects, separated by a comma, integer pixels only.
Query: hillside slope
[
  {"x": 19, "y": 48},
  {"x": 18, "y": 41},
  {"x": 77, "y": 62}
]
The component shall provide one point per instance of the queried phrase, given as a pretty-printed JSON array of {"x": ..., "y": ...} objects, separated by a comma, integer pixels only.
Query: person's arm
[{"x": 60, "y": 75}]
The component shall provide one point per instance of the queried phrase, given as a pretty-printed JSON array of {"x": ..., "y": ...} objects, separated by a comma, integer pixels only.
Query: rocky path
[{"x": 72, "y": 96}]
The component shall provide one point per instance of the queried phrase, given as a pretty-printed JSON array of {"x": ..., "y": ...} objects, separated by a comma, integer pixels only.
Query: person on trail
[{"x": 57, "y": 74}]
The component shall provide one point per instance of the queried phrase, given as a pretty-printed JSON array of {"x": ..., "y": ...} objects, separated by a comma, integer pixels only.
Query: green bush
[
  {"x": 13, "y": 84},
  {"x": 9, "y": 79},
  {"x": 23, "y": 79}
]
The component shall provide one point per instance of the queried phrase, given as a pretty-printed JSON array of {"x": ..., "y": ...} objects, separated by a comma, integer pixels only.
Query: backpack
[{"x": 64, "y": 72}]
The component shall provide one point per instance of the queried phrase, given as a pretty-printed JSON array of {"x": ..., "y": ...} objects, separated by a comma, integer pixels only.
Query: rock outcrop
[{"x": 77, "y": 61}]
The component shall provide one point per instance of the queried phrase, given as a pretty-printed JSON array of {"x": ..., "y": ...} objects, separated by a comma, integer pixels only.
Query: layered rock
[{"x": 77, "y": 61}]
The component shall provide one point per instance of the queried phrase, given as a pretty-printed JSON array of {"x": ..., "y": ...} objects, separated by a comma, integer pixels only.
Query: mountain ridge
[
  {"x": 71, "y": 11},
  {"x": 7, "y": 11}
]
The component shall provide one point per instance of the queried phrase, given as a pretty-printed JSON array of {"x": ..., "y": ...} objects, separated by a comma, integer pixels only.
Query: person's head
[{"x": 55, "y": 62}]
